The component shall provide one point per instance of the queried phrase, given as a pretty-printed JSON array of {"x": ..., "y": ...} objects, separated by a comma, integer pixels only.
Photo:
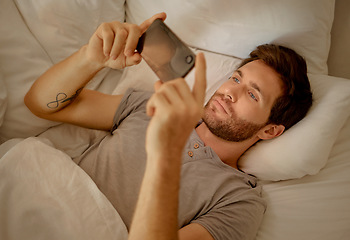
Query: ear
[{"x": 271, "y": 131}]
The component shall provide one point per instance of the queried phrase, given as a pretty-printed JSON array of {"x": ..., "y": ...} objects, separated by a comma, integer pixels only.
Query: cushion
[
  {"x": 47, "y": 31},
  {"x": 236, "y": 27},
  {"x": 303, "y": 149}
]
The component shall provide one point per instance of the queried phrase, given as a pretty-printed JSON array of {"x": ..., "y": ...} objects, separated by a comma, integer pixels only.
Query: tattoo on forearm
[{"x": 62, "y": 98}]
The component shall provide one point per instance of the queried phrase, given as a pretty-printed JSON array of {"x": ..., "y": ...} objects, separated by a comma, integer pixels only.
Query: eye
[
  {"x": 236, "y": 80},
  {"x": 253, "y": 96}
]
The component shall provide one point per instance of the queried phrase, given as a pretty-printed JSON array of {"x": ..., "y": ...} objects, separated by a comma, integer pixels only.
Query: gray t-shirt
[{"x": 224, "y": 200}]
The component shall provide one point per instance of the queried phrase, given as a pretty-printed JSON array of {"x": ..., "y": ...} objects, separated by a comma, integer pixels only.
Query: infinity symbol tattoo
[{"x": 62, "y": 98}]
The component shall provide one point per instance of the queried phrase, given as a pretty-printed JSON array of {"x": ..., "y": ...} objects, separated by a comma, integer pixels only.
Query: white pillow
[
  {"x": 62, "y": 27},
  {"x": 36, "y": 35},
  {"x": 236, "y": 27},
  {"x": 303, "y": 149},
  {"x": 3, "y": 99}
]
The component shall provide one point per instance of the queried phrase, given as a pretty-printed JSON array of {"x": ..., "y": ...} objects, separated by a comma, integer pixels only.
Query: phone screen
[{"x": 165, "y": 53}]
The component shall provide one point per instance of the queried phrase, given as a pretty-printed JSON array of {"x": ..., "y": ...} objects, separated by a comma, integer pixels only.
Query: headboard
[{"x": 338, "y": 61}]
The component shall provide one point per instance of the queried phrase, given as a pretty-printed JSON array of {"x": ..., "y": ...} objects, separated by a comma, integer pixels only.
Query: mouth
[{"x": 221, "y": 106}]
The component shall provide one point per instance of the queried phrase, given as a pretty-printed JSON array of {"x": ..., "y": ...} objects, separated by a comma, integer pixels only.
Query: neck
[{"x": 228, "y": 152}]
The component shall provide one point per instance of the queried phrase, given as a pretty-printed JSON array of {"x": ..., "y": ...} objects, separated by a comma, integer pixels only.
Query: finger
[
  {"x": 157, "y": 85},
  {"x": 107, "y": 37},
  {"x": 144, "y": 26},
  {"x": 150, "y": 108},
  {"x": 200, "y": 83},
  {"x": 182, "y": 88},
  {"x": 172, "y": 94},
  {"x": 157, "y": 101},
  {"x": 132, "y": 40},
  {"x": 119, "y": 43},
  {"x": 133, "y": 60}
]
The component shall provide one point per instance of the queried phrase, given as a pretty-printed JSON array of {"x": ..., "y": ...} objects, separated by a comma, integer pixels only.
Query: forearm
[
  {"x": 157, "y": 208},
  {"x": 61, "y": 83},
  {"x": 175, "y": 110}
]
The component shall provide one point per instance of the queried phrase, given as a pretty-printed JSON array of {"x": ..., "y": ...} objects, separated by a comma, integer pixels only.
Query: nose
[
  {"x": 233, "y": 94},
  {"x": 230, "y": 97}
]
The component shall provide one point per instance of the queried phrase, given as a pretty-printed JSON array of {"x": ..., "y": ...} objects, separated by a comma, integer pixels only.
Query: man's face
[{"x": 242, "y": 105}]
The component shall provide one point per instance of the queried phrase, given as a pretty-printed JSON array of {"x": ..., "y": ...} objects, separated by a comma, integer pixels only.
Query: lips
[{"x": 221, "y": 105}]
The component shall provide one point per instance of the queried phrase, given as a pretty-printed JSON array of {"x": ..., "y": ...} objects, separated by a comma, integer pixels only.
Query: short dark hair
[{"x": 296, "y": 99}]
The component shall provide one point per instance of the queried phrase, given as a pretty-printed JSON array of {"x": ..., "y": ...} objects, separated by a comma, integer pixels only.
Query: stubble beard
[{"x": 232, "y": 128}]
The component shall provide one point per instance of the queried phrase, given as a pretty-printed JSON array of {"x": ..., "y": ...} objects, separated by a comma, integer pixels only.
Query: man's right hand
[
  {"x": 113, "y": 44},
  {"x": 175, "y": 110}
]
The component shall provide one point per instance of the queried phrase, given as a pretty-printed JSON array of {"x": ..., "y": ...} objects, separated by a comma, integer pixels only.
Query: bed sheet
[
  {"x": 312, "y": 207},
  {"x": 44, "y": 195}
]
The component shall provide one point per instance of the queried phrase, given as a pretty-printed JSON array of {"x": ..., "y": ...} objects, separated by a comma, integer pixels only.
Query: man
[{"x": 190, "y": 179}]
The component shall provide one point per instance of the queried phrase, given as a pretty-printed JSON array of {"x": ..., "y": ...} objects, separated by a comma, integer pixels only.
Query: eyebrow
[{"x": 252, "y": 84}]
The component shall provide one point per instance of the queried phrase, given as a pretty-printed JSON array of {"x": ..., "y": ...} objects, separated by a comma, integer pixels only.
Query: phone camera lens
[{"x": 189, "y": 59}]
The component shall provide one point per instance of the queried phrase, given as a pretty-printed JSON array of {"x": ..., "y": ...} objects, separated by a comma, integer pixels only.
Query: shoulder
[
  {"x": 232, "y": 201},
  {"x": 133, "y": 101},
  {"x": 237, "y": 212}
]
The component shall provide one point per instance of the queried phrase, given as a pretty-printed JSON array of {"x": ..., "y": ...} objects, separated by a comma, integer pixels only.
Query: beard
[{"x": 232, "y": 128}]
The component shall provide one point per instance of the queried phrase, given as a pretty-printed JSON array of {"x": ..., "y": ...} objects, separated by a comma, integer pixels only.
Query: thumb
[{"x": 200, "y": 84}]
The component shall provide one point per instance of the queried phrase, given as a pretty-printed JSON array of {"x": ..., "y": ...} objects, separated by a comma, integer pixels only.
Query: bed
[{"x": 305, "y": 173}]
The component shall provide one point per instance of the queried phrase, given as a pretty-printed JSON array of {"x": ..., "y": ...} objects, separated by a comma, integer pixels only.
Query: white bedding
[
  {"x": 313, "y": 207},
  {"x": 43, "y": 193}
]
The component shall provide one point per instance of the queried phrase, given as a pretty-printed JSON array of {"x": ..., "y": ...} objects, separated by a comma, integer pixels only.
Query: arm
[
  {"x": 175, "y": 110},
  {"x": 59, "y": 94}
]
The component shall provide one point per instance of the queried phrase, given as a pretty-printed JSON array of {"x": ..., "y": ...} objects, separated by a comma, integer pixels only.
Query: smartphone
[{"x": 164, "y": 52}]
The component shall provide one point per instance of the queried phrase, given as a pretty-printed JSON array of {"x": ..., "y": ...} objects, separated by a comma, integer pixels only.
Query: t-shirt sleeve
[
  {"x": 131, "y": 102},
  {"x": 234, "y": 221}
]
